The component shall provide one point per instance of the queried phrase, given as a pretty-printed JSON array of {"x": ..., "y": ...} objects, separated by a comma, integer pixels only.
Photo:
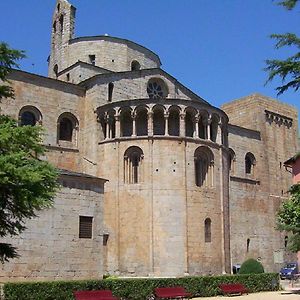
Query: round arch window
[{"x": 156, "y": 89}]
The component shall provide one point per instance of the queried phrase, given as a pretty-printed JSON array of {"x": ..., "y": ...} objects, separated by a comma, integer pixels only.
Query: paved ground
[
  {"x": 283, "y": 295},
  {"x": 290, "y": 292}
]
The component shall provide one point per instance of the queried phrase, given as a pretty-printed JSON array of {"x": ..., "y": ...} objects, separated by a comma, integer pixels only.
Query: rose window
[{"x": 155, "y": 90}]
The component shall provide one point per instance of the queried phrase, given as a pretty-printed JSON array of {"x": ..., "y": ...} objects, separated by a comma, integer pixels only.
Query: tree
[
  {"x": 8, "y": 58},
  {"x": 27, "y": 183},
  {"x": 288, "y": 218},
  {"x": 290, "y": 67}
]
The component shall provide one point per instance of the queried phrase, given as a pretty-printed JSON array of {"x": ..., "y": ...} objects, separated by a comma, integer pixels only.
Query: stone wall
[
  {"x": 50, "y": 247},
  {"x": 157, "y": 225},
  {"x": 255, "y": 198}
]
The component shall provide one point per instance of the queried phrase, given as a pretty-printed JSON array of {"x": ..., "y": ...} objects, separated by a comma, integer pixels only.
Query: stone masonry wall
[
  {"x": 157, "y": 225},
  {"x": 50, "y": 247},
  {"x": 255, "y": 199}
]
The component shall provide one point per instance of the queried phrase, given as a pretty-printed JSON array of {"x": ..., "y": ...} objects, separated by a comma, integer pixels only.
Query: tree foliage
[
  {"x": 288, "y": 218},
  {"x": 27, "y": 183},
  {"x": 289, "y": 69},
  {"x": 251, "y": 266},
  {"x": 8, "y": 60}
]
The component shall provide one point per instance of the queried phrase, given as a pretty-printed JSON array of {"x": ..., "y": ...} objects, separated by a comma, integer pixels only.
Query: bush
[
  {"x": 137, "y": 289},
  {"x": 251, "y": 266}
]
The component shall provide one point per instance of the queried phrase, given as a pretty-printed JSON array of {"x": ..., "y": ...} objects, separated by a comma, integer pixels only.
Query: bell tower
[{"x": 63, "y": 24}]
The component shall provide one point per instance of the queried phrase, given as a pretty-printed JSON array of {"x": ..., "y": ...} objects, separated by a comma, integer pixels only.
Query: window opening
[
  {"x": 203, "y": 167},
  {"x": 132, "y": 165},
  {"x": 207, "y": 233},
  {"x": 249, "y": 163},
  {"x": 248, "y": 244},
  {"x": 61, "y": 22},
  {"x": 28, "y": 118},
  {"x": 55, "y": 70},
  {"x": 110, "y": 91},
  {"x": 92, "y": 59},
  {"x": 135, "y": 66},
  {"x": 65, "y": 129},
  {"x": 54, "y": 27},
  {"x": 85, "y": 227},
  {"x": 68, "y": 77}
]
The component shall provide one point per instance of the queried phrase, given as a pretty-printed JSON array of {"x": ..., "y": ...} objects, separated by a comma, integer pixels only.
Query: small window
[
  {"x": 61, "y": 23},
  {"x": 204, "y": 167},
  {"x": 54, "y": 27},
  {"x": 248, "y": 244},
  {"x": 133, "y": 165},
  {"x": 85, "y": 227},
  {"x": 55, "y": 70},
  {"x": 92, "y": 59},
  {"x": 249, "y": 163},
  {"x": 58, "y": 7},
  {"x": 286, "y": 239},
  {"x": 135, "y": 65},
  {"x": 67, "y": 128},
  {"x": 29, "y": 115},
  {"x": 207, "y": 228},
  {"x": 110, "y": 91},
  {"x": 68, "y": 76}
]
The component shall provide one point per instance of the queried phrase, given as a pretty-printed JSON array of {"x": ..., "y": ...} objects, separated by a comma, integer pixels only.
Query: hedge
[{"x": 137, "y": 289}]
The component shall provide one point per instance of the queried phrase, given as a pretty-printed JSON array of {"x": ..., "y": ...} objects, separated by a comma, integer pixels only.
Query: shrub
[
  {"x": 251, "y": 266},
  {"x": 137, "y": 288}
]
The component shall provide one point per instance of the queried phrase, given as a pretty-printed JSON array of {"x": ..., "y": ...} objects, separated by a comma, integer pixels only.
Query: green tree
[
  {"x": 251, "y": 266},
  {"x": 27, "y": 183},
  {"x": 8, "y": 60},
  {"x": 289, "y": 69},
  {"x": 288, "y": 218}
]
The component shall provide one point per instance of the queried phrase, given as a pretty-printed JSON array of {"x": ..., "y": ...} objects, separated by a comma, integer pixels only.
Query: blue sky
[{"x": 217, "y": 48}]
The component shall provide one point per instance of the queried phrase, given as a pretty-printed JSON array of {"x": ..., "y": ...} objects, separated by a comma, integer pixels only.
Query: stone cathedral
[{"x": 155, "y": 181}]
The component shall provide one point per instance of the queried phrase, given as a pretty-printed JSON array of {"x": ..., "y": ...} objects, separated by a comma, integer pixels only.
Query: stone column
[
  {"x": 219, "y": 133},
  {"x": 208, "y": 128},
  {"x": 106, "y": 127},
  {"x": 133, "y": 115},
  {"x": 166, "y": 115},
  {"x": 182, "y": 124},
  {"x": 117, "y": 122},
  {"x": 150, "y": 123},
  {"x": 196, "y": 127}
]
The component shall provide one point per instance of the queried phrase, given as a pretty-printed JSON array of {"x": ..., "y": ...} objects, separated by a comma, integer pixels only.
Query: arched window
[
  {"x": 189, "y": 125},
  {"x": 203, "y": 123},
  {"x": 110, "y": 91},
  {"x": 135, "y": 65},
  {"x": 158, "y": 121},
  {"x": 133, "y": 158},
  {"x": 248, "y": 245},
  {"x": 214, "y": 128},
  {"x": 157, "y": 89},
  {"x": 249, "y": 163},
  {"x": 207, "y": 230},
  {"x": 126, "y": 122},
  {"x": 173, "y": 121},
  {"x": 29, "y": 115},
  {"x": 55, "y": 70},
  {"x": 67, "y": 128},
  {"x": 141, "y": 122},
  {"x": 61, "y": 23},
  {"x": 231, "y": 162},
  {"x": 204, "y": 167}
]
